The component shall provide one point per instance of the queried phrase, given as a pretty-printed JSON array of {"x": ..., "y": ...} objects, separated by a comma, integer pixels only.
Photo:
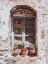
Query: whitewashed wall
[{"x": 41, "y": 6}]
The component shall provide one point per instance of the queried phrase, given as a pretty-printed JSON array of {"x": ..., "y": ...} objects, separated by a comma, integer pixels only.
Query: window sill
[{"x": 25, "y": 57}]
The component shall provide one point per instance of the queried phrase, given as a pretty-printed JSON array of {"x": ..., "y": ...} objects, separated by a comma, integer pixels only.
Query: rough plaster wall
[{"x": 42, "y": 28}]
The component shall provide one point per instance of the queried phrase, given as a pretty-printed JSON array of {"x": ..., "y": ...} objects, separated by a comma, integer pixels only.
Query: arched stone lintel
[{"x": 23, "y": 7}]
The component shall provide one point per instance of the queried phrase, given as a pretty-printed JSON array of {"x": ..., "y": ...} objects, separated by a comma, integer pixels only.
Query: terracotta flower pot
[
  {"x": 31, "y": 52},
  {"x": 15, "y": 52},
  {"x": 23, "y": 52}
]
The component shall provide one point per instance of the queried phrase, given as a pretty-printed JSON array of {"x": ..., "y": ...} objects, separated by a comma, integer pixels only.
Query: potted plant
[
  {"x": 15, "y": 50},
  {"x": 31, "y": 50},
  {"x": 23, "y": 50}
]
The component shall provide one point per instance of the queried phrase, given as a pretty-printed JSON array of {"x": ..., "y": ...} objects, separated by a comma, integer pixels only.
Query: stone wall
[{"x": 41, "y": 6}]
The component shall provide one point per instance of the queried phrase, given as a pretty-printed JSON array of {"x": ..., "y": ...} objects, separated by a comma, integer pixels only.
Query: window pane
[
  {"x": 29, "y": 31},
  {"x": 17, "y": 27},
  {"x": 17, "y": 31},
  {"x": 29, "y": 22},
  {"x": 17, "y": 21},
  {"x": 30, "y": 39},
  {"x": 18, "y": 38}
]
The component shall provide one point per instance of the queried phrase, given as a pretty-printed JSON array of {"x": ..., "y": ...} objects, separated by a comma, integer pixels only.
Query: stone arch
[{"x": 21, "y": 8}]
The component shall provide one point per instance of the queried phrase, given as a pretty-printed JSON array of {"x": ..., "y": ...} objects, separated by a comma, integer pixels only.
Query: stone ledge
[{"x": 20, "y": 59}]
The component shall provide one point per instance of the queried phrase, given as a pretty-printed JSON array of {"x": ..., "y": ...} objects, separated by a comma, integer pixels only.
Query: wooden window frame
[{"x": 21, "y": 8}]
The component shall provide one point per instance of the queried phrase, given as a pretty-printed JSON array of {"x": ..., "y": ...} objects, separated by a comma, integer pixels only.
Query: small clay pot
[
  {"x": 23, "y": 52},
  {"x": 15, "y": 52},
  {"x": 31, "y": 52}
]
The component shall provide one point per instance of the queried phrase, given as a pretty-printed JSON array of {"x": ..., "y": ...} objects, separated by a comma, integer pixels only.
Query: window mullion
[
  {"x": 23, "y": 30},
  {"x": 12, "y": 33}
]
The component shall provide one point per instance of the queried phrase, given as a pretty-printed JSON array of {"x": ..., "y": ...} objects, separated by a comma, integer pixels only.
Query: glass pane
[
  {"x": 17, "y": 27},
  {"x": 17, "y": 31},
  {"x": 29, "y": 31},
  {"x": 30, "y": 39},
  {"x": 29, "y": 22},
  {"x": 17, "y": 21},
  {"x": 18, "y": 40}
]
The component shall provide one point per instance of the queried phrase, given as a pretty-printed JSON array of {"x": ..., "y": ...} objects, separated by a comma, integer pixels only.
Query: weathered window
[{"x": 23, "y": 24}]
